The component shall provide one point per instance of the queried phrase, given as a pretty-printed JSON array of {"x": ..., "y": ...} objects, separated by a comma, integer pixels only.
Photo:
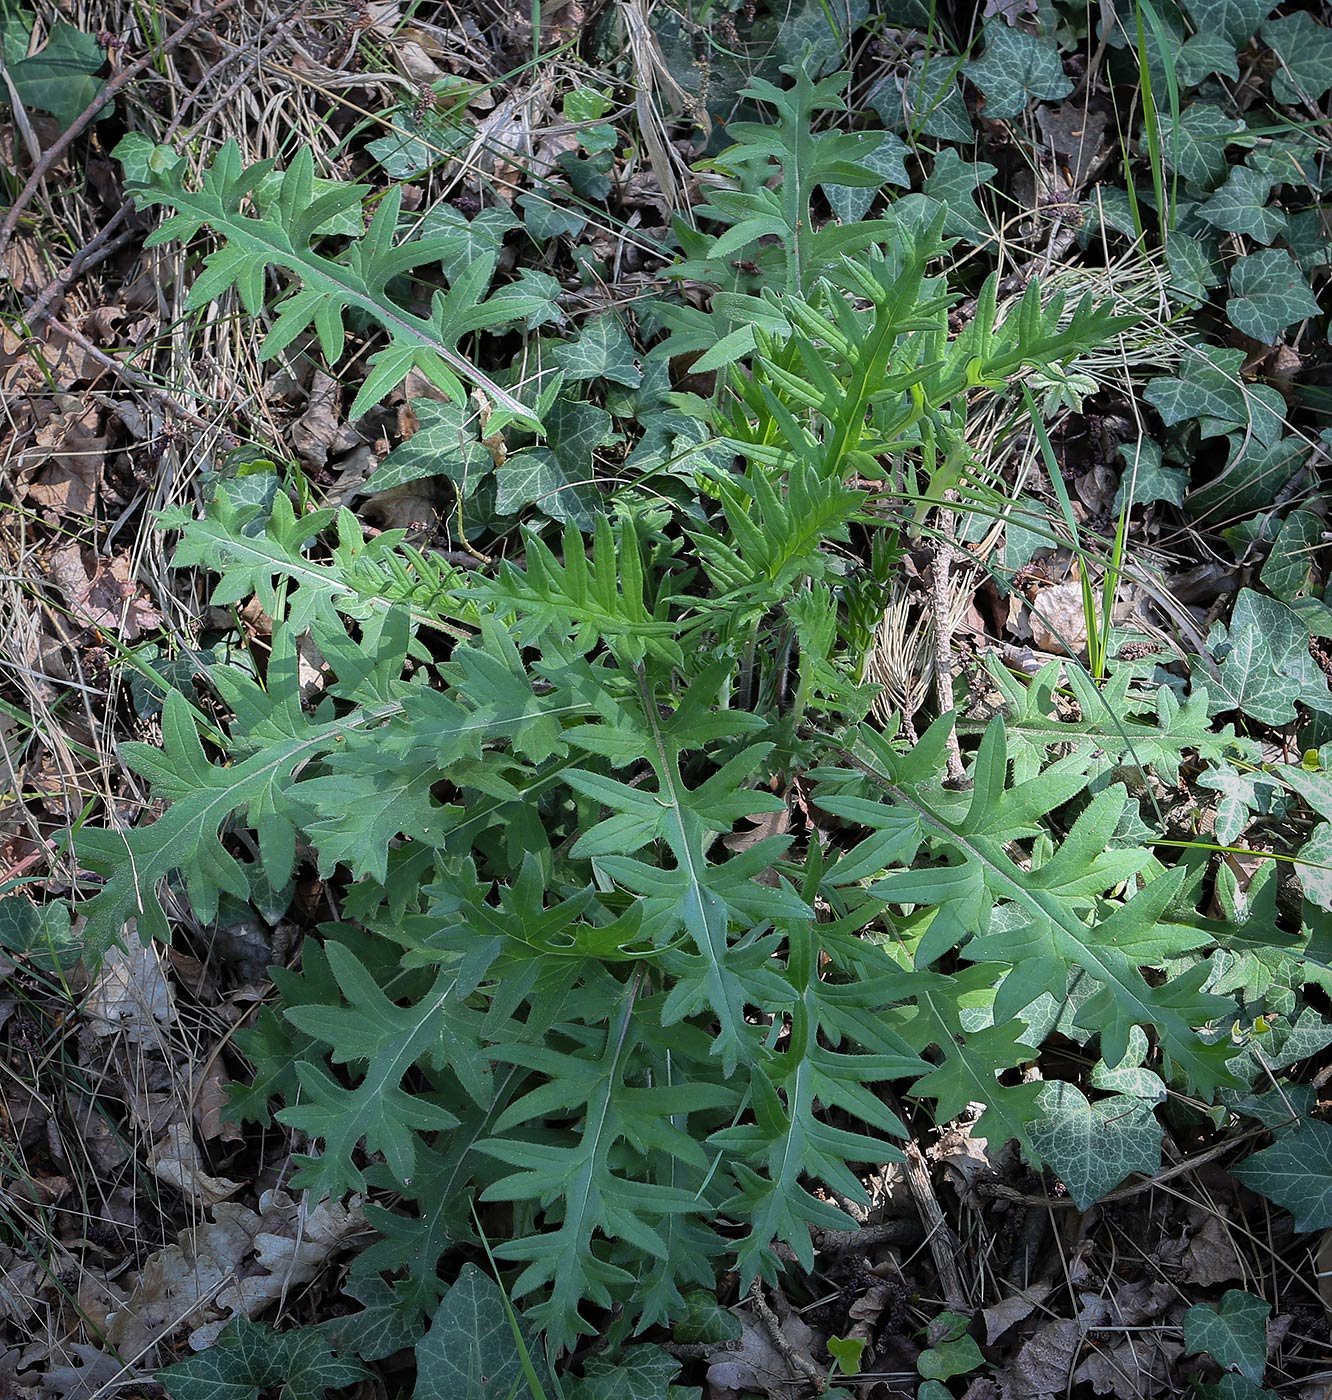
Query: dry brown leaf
[
  {"x": 1057, "y": 620},
  {"x": 1000, "y": 1316},
  {"x": 966, "y": 1158},
  {"x": 131, "y": 995},
  {"x": 321, "y": 430},
  {"x": 108, "y": 597},
  {"x": 1323, "y": 1264},
  {"x": 1075, "y": 134},
  {"x": 756, "y": 1365},
  {"x": 236, "y": 1265},
  {"x": 25, "y": 266},
  {"x": 1211, "y": 1255},
  {"x": 20, "y": 374},
  {"x": 1044, "y": 1362},
  {"x": 83, "y": 1372},
  {"x": 210, "y": 1105},
  {"x": 175, "y": 1159},
  {"x": 1138, "y": 1364},
  {"x": 67, "y": 456}
]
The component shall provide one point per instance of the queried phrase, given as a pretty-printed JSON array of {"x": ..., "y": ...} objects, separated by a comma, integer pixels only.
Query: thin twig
[
  {"x": 131, "y": 377},
  {"x": 942, "y": 1241},
  {"x": 76, "y": 128},
  {"x": 793, "y": 1357},
  {"x": 100, "y": 247}
]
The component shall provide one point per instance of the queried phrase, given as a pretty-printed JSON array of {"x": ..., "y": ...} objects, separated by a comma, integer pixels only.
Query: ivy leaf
[
  {"x": 1269, "y": 293},
  {"x": 952, "y": 185},
  {"x": 61, "y": 77},
  {"x": 816, "y": 36},
  {"x": 248, "y": 1358},
  {"x": 1288, "y": 572},
  {"x": 602, "y": 351},
  {"x": 1195, "y": 145},
  {"x": 1265, "y": 666},
  {"x": 1016, "y": 67},
  {"x": 386, "y": 1323},
  {"x": 1194, "y": 267},
  {"x": 470, "y": 1349},
  {"x": 932, "y": 101},
  {"x": 1234, "y": 1334},
  {"x": 1241, "y": 794},
  {"x": 444, "y": 444},
  {"x": 1148, "y": 479},
  {"x": 419, "y": 141},
  {"x": 1094, "y": 1146},
  {"x": 1305, "y": 50},
  {"x": 1236, "y": 21},
  {"x": 462, "y": 241},
  {"x": 1308, "y": 240},
  {"x": 641, "y": 1372},
  {"x": 536, "y": 476},
  {"x": 1205, "y": 54},
  {"x": 1240, "y": 206},
  {"x": 1208, "y": 385},
  {"x": 1296, "y": 1174},
  {"x": 888, "y": 160},
  {"x": 1235, "y": 1387},
  {"x": 40, "y": 933}
]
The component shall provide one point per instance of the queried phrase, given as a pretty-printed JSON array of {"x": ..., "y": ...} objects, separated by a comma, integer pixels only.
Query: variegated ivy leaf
[
  {"x": 888, "y": 158},
  {"x": 952, "y": 185},
  {"x": 1208, "y": 386},
  {"x": 471, "y": 1349},
  {"x": 1268, "y": 293},
  {"x": 602, "y": 351},
  {"x": 444, "y": 444},
  {"x": 1205, "y": 54},
  {"x": 815, "y": 36},
  {"x": 1265, "y": 666},
  {"x": 416, "y": 141},
  {"x": 1288, "y": 571},
  {"x": 1241, "y": 794},
  {"x": 641, "y": 1372},
  {"x": 1193, "y": 267},
  {"x": 537, "y": 477},
  {"x": 1016, "y": 67},
  {"x": 1315, "y": 867},
  {"x": 1147, "y": 478},
  {"x": 1295, "y": 1173},
  {"x": 1240, "y": 206},
  {"x": 1092, "y": 1147},
  {"x": 1234, "y": 1335},
  {"x": 1304, "y": 52},
  {"x": 1195, "y": 145},
  {"x": 931, "y": 103},
  {"x": 1236, "y": 21},
  {"x": 250, "y": 1357}
]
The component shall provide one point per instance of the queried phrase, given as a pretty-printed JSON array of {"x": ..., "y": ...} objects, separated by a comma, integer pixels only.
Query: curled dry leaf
[
  {"x": 1212, "y": 1255},
  {"x": 107, "y": 597},
  {"x": 130, "y": 995},
  {"x": 235, "y": 1265},
  {"x": 67, "y": 456},
  {"x": 321, "y": 431},
  {"x": 1044, "y": 1363},
  {"x": 175, "y": 1159},
  {"x": 1019, "y": 1306}
]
